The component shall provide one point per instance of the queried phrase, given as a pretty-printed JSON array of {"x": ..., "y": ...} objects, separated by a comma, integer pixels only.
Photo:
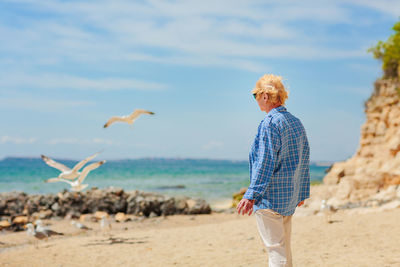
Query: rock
[
  {"x": 130, "y": 217},
  {"x": 72, "y": 215},
  {"x": 191, "y": 203},
  {"x": 168, "y": 207},
  {"x": 99, "y": 214},
  {"x": 198, "y": 206},
  {"x": 120, "y": 217},
  {"x": 152, "y": 215},
  {"x": 87, "y": 218},
  {"x": 55, "y": 206},
  {"x": 74, "y": 205},
  {"x": 4, "y": 224},
  {"x": 375, "y": 165},
  {"x": 335, "y": 173},
  {"x": 20, "y": 220},
  {"x": 334, "y": 202},
  {"x": 346, "y": 186},
  {"x": 386, "y": 194},
  {"x": 43, "y": 214},
  {"x": 391, "y": 205},
  {"x": 180, "y": 204}
]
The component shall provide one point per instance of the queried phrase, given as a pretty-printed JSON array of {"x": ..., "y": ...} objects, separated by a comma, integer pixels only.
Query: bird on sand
[
  {"x": 80, "y": 225},
  {"x": 37, "y": 235},
  {"x": 327, "y": 211},
  {"x": 40, "y": 228},
  {"x": 105, "y": 223},
  {"x": 326, "y": 208},
  {"x": 32, "y": 232},
  {"x": 77, "y": 185},
  {"x": 130, "y": 119},
  {"x": 67, "y": 173}
]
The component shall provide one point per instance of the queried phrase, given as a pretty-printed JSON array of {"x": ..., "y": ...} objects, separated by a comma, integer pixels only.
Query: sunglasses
[{"x": 255, "y": 96}]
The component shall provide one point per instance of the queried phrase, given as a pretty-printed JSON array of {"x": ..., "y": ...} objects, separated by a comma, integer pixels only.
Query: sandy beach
[{"x": 219, "y": 239}]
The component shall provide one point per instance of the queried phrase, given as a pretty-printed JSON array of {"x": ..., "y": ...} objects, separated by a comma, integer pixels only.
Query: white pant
[{"x": 275, "y": 231}]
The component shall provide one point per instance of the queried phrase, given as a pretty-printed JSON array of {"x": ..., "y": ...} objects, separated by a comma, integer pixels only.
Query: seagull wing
[
  {"x": 40, "y": 235},
  {"x": 139, "y": 112},
  {"x": 55, "y": 164},
  {"x": 53, "y": 180},
  {"x": 50, "y": 232},
  {"x": 82, "y": 226},
  {"x": 89, "y": 168},
  {"x": 114, "y": 119},
  {"x": 79, "y": 165}
]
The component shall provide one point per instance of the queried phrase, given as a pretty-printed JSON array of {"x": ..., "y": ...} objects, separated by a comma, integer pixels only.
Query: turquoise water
[{"x": 213, "y": 180}]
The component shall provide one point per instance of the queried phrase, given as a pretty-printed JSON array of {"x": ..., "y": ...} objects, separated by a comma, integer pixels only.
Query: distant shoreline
[{"x": 312, "y": 163}]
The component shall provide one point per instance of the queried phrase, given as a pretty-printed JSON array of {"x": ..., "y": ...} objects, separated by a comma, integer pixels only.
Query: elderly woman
[{"x": 279, "y": 170}]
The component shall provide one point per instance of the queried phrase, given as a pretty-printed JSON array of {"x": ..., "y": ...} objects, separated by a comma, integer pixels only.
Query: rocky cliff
[{"x": 376, "y": 165}]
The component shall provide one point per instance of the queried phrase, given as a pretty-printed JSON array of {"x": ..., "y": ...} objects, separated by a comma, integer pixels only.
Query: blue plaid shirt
[{"x": 279, "y": 163}]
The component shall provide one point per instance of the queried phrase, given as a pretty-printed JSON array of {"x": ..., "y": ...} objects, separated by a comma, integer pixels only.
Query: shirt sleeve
[
  {"x": 305, "y": 185},
  {"x": 262, "y": 169}
]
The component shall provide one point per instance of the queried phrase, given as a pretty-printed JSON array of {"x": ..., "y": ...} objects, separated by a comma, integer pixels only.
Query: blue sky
[{"x": 67, "y": 66}]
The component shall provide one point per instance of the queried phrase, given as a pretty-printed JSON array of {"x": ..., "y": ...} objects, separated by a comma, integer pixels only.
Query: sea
[{"x": 212, "y": 180}]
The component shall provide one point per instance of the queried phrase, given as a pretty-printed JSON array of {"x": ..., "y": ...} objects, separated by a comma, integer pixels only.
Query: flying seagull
[
  {"x": 67, "y": 173},
  {"x": 128, "y": 118},
  {"x": 77, "y": 185}
]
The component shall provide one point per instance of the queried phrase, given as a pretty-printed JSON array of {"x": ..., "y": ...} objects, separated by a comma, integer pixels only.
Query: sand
[{"x": 371, "y": 239}]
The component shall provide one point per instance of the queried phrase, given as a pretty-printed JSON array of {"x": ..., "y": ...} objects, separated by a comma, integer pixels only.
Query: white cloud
[
  {"x": 389, "y": 7},
  {"x": 215, "y": 33},
  {"x": 17, "y": 140},
  {"x": 76, "y": 141},
  {"x": 56, "y": 141},
  {"x": 59, "y": 81},
  {"x": 35, "y": 103},
  {"x": 243, "y": 64},
  {"x": 212, "y": 145},
  {"x": 103, "y": 141}
]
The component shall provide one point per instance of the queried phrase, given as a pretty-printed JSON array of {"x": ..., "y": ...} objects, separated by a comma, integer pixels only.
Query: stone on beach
[
  {"x": 120, "y": 217},
  {"x": 43, "y": 214},
  {"x": 4, "y": 224},
  {"x": 85, "y": 205},
  {"x": 20, "y": 220},
  {"x": 100, "y": 214},
  {"x": 86, "y": 218}
]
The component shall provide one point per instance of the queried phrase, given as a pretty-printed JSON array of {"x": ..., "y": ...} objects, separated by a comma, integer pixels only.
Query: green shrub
[{"x": 389, "y": 53}]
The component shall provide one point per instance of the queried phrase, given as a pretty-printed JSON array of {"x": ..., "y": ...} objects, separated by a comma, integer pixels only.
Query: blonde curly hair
[{"x": 273, "y": 86}]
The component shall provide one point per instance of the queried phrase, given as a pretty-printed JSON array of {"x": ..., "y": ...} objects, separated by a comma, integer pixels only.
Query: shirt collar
[{"x": 276, "y": 110}]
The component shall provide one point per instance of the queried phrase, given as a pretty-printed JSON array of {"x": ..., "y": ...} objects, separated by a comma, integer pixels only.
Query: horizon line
[{"x": 312, "y": 162}]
